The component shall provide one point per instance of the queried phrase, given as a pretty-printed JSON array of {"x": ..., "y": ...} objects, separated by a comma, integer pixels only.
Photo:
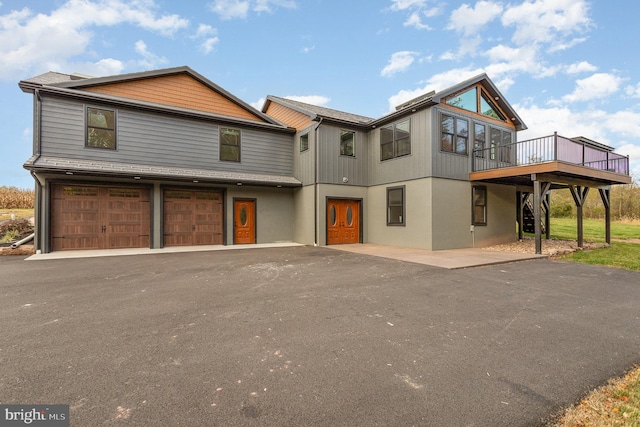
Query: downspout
[
  {"x": 315, "y": 183},
  {"x": 17, "y": 244},
  {"x": 40, "y": 184}
]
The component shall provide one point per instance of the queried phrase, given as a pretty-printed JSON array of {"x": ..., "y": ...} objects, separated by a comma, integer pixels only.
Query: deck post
[
  {"x": 605, "y": 195},
  {"x": 537, "y": 203},
  {"x": 519, "y": 213},
  {"x": 579, "y": 194}
]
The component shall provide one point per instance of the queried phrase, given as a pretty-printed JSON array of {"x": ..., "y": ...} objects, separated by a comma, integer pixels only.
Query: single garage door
[
  {"x": 192, "y": 217},
  {"x": 92, "y": 217}
]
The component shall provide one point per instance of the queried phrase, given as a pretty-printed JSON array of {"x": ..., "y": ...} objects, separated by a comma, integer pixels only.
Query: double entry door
[{"x": 343, "y": 221}]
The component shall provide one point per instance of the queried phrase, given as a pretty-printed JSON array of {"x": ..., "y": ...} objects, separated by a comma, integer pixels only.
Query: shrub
[{"x": 15, "y": 229}]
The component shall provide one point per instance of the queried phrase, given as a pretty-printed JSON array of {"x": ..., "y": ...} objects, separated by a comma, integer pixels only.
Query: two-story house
[{"x": 167, "y": 157}]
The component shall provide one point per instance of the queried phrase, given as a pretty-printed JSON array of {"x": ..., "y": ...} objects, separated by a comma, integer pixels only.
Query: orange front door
[
  {"x": 343, "y": 221},
  {"x": 244, "y": 221}
]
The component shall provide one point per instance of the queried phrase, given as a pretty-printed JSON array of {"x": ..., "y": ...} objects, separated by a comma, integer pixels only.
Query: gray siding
[
  {"x": 153, "y": 139},
  {"x": 414, "y": 166},
  {"x": 332, "y": 167},
  {"x": 303, "y": 162}
]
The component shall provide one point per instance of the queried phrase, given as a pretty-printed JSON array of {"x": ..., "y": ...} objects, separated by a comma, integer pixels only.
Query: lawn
[
  {"x": 617, "y": 403},
  {"x": 593, "y": 229}
]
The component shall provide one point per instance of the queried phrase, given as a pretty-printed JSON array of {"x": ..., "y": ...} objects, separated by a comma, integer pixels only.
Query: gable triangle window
[{"x": 476, "y": 100}]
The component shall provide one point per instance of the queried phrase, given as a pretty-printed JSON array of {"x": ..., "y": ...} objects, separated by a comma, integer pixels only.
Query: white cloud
[
  {"x": 547, "y": 21},
  {"x": 150, "y": 60},
  {"x": 230, "y": 9},
  {"x": 234, "y": 9},
  {"x": 633, "y": 91},
  {"x": 258, "y": 104},
  {"x": 35, "y": 43},
  {"x": 581, "y": 67},
  {"x": 307, "y": 49},
  {"x": 414, "y": 20},
  {"x": 469, "y": 20},
  {"x": 266, "y": 5},
  {"x": 397, "y": 5},
  {"x": 209, "y": 38},
  {"x": 597, "y": 86},
  {"x": 319, "y": 100},
  {"x": 400, "y": 61},
  {"x": 437, "y": 82}
]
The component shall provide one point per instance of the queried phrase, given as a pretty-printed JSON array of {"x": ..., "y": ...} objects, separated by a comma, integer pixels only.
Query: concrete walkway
[{"x": 450, "y": 259}]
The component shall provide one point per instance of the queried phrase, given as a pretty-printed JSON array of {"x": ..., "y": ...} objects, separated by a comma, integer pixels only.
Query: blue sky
[{"x": 564, "y": 65}]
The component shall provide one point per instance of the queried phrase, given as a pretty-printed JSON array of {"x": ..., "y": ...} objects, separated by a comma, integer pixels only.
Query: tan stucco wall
[
  {"x": 501, "y": 217},
  {"x": 274, "y": 213},
  {"x": 304, "y": 215},
  {"x": 418, "y": 218}
]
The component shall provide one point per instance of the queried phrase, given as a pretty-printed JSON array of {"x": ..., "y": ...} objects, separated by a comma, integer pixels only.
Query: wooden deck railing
[{"x": 549, "y": 149}]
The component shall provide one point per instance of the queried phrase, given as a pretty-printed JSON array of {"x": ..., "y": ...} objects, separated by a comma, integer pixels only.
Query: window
[
  {"x": 347, "y": 143},
  {"x": 395, "y": 206},
  {"x": 229, "y": 145},
  {"x": 304, "y": 142},
  {"x": 455, "y": 134},
  {"x": 478, "y": 101},
  {"x": 395, "y": 140},
  {"x": 101, "y": 128},
  {"x": 480, "y": 138},
  {"x": 501, "y": 145},
  {"x": 479, "y": 213},
  {"x": 466, "y": 100}
]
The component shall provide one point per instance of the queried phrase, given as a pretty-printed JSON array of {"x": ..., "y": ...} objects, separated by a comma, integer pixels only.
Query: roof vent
[{"x": 417, "y": 100}]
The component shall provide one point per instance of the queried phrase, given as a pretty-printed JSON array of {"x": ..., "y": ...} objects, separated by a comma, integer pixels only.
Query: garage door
[
  {"x": 192, "y": 218},
  {"x": 92, "y": 217}
]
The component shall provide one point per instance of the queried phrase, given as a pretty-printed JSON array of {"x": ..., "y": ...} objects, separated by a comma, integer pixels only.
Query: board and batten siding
[
  {"x": 159, "y": 140},
  {"x": 303, "y": 161},
  {"x": 332, "y": 167},
  {"x": 413, "y": 166}
]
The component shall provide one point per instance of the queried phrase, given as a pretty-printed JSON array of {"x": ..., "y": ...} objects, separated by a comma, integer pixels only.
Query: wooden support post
[
  {"x": 579, "y": 194},
  {"x": 519, "y": 213},
  {"x": 537, "y": 199},
  {"x": 547, "y": 215},
  {"x": 605, "y": 195}
]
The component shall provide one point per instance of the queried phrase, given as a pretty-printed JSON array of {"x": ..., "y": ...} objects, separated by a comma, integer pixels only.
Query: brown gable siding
[
  {"x": 177, "y": 90},
  {"x": 288, "y": 116}
]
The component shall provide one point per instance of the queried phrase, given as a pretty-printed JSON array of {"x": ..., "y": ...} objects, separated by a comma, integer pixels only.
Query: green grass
[
  {"x": 619, "y": 254},
  {"x": 593, "y": 229}
]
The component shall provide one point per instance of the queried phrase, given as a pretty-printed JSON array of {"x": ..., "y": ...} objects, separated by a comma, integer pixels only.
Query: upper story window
[
  {"x": 347, "y": 143},
  {"x": 454, "y": 134},
  {"x": 395, "y": 140},
  {"x": 101, "y": 128},
  {"x": 304, "y": 142},
  {"x": 477, "y": 101},
  {"x": 480, "y": 138},
  {"x": 500, "y": 145},
  {"x": 230, "y": 144}
]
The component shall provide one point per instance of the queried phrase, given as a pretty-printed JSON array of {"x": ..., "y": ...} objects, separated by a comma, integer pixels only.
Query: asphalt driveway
[{"x": 310, "y": 336}]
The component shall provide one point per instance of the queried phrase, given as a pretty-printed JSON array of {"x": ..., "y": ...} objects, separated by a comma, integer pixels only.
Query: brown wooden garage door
[
  {"x": 192, "y": 218},
  {"x": 91, "y": 217}
]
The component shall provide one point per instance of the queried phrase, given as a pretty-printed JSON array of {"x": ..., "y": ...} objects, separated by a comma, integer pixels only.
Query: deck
[
  {"x": 537, "y": 166},
  {"x": 561, "y": 161}
]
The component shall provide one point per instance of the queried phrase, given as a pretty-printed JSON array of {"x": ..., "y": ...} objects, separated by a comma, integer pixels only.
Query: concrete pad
[
  {"x": 449, "y": 259},
  {"x": 146, "y": 251}
]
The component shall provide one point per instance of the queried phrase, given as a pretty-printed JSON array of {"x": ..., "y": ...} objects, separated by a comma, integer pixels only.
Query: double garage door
[
  {"x": 95, "y": 217},
  {"x": 91, "y": 217}
]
